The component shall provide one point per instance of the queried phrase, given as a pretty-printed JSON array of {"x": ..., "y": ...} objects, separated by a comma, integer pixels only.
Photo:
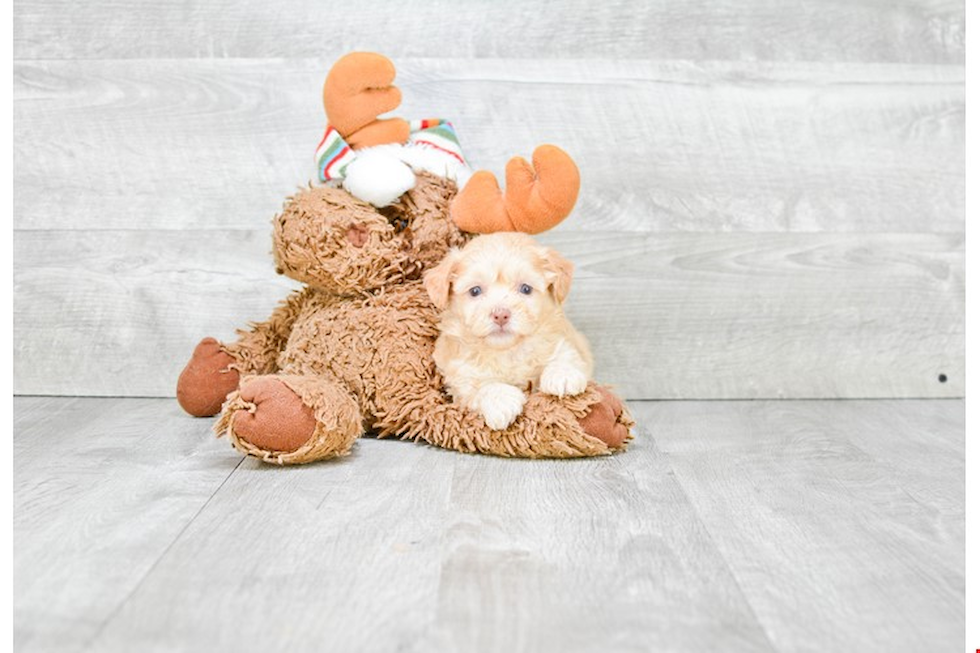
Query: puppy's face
[{"x": 500, "y": 288}]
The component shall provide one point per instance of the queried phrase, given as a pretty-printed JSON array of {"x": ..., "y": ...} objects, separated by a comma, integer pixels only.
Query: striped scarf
[{"x": 333, "y": 154}]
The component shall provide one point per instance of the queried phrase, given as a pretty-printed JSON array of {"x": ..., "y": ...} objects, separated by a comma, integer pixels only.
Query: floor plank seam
[
  {"x": 711, "y": 537},
  {"x": 112, "y": 615}
]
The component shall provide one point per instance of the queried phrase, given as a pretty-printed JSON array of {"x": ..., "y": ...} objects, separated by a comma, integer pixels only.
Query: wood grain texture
[
  {"x": 109, "y": 313},
  {"x": 100, "y": 491},
  {"x": 735, "y": 315},
  {"x": 663, "y": 146},
  {"x": 912, "y": 31},
  {"x": 744, "y": 526},
  {"x": 405, "y": 547},
  {"x": 338, "y": 556},
  {"x": 842, "y": 521},
  {"x": 596, "y": 555}
]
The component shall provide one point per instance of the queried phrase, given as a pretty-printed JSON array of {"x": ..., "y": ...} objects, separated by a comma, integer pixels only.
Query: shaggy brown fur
[{"x": 352, "y": 352}]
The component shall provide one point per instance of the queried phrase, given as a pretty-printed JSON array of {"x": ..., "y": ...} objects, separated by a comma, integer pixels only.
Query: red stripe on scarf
[
  {"x": 441, "y": 149},
  {"x": 325, "y": 135},
  {"x": 334, "y": 160}
]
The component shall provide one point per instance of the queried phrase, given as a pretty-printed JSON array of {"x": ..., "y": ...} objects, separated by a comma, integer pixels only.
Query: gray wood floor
[{"x": 735, "y": 526}]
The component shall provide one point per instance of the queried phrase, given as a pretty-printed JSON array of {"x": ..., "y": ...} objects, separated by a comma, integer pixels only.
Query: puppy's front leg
[
  {"x": 499, "y": 403},
  {"x": 566, "y": 373}
]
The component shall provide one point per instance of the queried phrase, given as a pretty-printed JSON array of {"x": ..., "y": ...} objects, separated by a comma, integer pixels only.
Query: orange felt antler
[
  {"x": 357, "y": 90},
  {"x": 537, "y": 198}
]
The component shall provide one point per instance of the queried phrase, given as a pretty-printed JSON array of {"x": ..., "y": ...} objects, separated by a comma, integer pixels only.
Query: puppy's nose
[{"x": 501, "y": 316}]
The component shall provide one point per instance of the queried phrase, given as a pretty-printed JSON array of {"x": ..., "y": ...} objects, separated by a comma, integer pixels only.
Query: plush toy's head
[{"x": 330, "y": 240}]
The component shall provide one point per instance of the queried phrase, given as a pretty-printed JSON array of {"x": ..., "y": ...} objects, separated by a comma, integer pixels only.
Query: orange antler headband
[{"x": 359, "y": 88}]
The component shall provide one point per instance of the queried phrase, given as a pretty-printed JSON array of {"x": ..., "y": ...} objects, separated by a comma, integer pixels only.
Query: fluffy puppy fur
[{"x": 502, "y": 328}]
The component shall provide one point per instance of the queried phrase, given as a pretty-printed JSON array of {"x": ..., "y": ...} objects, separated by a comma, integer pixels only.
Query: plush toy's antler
[
  {"x": 360, "y": 87},
  {"x": 357, "y": 90},
  {"x": 537, "y": 198}
]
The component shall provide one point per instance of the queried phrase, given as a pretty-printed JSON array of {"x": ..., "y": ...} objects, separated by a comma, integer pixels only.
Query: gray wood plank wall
[{"x": 772, "y": 204}]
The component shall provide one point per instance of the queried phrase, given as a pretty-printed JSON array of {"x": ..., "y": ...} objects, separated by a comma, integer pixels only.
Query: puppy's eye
[
  {"x": 525, "y": 289},
  {"x": 475, "y": 291}
]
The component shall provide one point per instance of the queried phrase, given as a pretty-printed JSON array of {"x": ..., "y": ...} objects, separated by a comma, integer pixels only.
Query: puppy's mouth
[{"x": 501, "y": 335}]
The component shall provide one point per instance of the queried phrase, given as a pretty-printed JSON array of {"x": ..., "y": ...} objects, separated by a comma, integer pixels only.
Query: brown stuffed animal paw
[
  {"x": 206, "y": 380},
  {"x": 538, "y": 196},
  {"x": 357, "y": 90},
  {"x": 277, "y": 419},
  {"x": 289, "y": 418},
  {"x": 607, "y": 420}
]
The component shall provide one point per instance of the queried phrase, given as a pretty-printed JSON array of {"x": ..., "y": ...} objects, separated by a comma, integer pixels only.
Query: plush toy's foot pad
[
  {"x": 276, "y": 420},
  {"x": 290, "y": 419},
  {"x": 607, "y": 420},
  {"x": 207, "y": 379}
]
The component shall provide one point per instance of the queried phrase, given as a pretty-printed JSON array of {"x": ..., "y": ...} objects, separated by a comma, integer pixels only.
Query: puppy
[{"x": 502, "y": 327}]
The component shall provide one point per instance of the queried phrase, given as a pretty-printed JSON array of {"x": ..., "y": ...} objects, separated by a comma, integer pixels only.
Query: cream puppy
[{"x": 502, "y": 328}]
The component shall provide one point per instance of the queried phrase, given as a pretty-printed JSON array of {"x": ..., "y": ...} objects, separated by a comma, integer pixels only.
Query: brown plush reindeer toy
[{"x": 351, "y": 353}]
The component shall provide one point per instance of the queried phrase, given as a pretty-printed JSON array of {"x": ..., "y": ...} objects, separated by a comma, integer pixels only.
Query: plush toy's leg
[
  {"x": 608, "y": 420},
  {"x": 537, "y": 198},
  {"x": 556, "y": 427},
  {"x": 288, "y": 419},
  {"x": 206, "y": 380},
  {"x": 589, "y": 424}
]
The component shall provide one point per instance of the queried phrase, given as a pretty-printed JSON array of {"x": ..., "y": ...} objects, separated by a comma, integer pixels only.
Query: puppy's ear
[
  {"x": 439, "y": 280},
  {"x": 557, "y": 272}
]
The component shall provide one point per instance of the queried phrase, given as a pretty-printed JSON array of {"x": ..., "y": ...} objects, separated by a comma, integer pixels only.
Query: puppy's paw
[
  {"x": 562, "y": 380},
  {"x": 500, "y": 404}
]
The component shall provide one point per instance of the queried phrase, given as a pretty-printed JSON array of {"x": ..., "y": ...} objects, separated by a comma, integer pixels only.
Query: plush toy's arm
[
  {"x": 257, "y": 349},
  {"x": 410, "y": 403},
  {"x": 214, "y": 369}
]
